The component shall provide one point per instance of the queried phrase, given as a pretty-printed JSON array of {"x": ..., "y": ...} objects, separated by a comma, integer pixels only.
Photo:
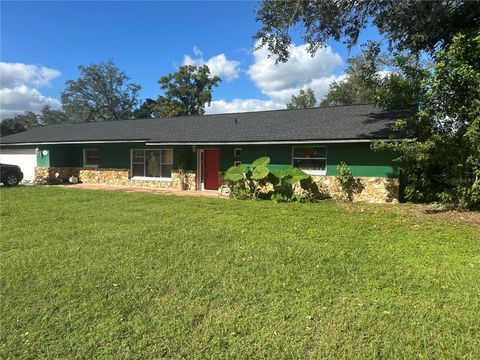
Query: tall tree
[
  {"x": 341, "y": 92},
  {"x": 404, "y": 87},
  {"x": 442, "y": 163},
  {"x": 408, "y": 25},
  {"x": 148, "y": 110},
  {"x": 102, "y": 92},
  {"x": 187, "y": 91},
  {"x": 19, "y": 123},
  {"x": 304, "y": 99},
  {"x": 362, "y": 79},
  {"x": 48, "y": 116},
  {"x": 30, "y": 120}
]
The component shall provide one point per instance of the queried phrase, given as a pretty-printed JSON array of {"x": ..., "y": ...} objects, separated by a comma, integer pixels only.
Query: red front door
[{"x": 211, "y": 167}]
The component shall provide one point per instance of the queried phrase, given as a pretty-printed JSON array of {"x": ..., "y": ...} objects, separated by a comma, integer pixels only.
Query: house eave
[
  {"x": 200, "y": 143},
  {"x": 75, "y": 142},
  {"x": 339, "y": 141}
]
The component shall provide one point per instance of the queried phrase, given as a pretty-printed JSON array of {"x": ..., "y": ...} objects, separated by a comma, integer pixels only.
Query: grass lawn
[{"x": 96, "y": 274}]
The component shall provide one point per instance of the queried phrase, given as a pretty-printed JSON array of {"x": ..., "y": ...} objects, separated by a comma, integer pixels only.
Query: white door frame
[{"x": 200, "y": 161}]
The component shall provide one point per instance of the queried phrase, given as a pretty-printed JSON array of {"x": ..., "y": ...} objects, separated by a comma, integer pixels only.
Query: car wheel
[{"x": 11, "y": 179}]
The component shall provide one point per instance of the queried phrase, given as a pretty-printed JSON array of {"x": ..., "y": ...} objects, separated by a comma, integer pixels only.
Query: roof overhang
[
  {"x": 76, "y": 142},
  {"x": 339, "y": 141},
  {"x": 270, "y": 142}
]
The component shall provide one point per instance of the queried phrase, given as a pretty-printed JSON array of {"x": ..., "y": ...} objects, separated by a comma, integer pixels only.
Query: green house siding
[
  {"x": 66, "y": 156},
  {"x": 361, "y": 159},
  {"x": 111, "y": 155},
  {"x": 43, "y": 160},
  {"x": 358, "y": 156},
  {"x": 279, "y": 154}
]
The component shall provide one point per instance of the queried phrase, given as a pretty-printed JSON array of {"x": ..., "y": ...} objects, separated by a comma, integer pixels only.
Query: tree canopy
[
  {"x": 148, "y": 110},
  {"x": 30, "y": 120},
  {"x": 19, "y": 123},
  {"x": 49, "y": 116},
  {"x": 102, "y": 92},
  {"x": 304, "y": 99},
  {"x": 187, "y": 91},
  {"x": 408, "y": 25},
  {"x": 441, "y": 159},
  {"x": 361, "y": 81}
]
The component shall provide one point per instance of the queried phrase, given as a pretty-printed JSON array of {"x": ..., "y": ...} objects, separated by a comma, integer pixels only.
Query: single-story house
[{"x": 193, "y": 151}]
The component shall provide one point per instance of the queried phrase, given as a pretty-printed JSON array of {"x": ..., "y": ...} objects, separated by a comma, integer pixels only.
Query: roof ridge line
[{"x": 254, "y": 112}]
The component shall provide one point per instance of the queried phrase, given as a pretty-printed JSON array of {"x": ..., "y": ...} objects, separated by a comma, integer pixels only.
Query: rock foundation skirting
[
  {"x": 57, "y": 175},
  {"x": 369, "y": 189}
]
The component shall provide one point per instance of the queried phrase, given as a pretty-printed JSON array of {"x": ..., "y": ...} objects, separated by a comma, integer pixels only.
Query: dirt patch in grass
[
  {"x": 471, "y": 217},
  {"x": 425, "y": 211}
]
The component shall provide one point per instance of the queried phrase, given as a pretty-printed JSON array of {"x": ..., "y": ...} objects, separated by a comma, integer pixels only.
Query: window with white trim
[
  {"x": 152, "y": 163},
  {"x": 311, "y": 159},
  {"x": 91, "y": 157},
  {"x": 237, "y": 152},
  {"x": 237, "y": 162}
]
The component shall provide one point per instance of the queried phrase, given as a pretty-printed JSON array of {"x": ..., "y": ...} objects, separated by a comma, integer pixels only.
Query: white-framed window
[
  {"x": 311, "y": 159},
  {"x": 236, "y": 163},
  {"x": 91, "y": 157},
  {"x": 151, "y": 164},
  {"x": 237, "y": 152}
]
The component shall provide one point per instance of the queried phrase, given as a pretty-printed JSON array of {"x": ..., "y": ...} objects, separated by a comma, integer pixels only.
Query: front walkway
[{"x": 205, "y": 193}]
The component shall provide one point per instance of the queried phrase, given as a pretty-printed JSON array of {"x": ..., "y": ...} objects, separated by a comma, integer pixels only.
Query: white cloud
[
  {"x": 242, "y": 105},
  {"x": 197, "y": 52},
  {"x": 16, "y": 74},
  {"x": 219, "y": 65},
  {"x": 19, "y": 85},
  {"x": 280, "y": 82}
]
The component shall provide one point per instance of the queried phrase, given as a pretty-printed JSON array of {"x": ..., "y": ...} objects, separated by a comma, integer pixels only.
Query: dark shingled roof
[{"x": 352, "y": 122}]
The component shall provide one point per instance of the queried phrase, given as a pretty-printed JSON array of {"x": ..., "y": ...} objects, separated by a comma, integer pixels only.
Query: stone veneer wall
[
  {"x": 112, "y": 177},
  {"x": 370, "y": 189}
]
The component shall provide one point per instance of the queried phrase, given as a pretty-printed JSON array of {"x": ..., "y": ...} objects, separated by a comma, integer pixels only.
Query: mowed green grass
[{"x": 94, "y": 274}]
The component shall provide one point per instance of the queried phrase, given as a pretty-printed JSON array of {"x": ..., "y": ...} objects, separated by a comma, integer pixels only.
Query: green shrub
[
  {"x": 348, "y": 184},
  {"x": 257, "y": 181}
]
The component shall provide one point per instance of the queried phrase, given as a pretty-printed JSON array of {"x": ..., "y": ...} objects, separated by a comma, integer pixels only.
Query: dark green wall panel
[
  {"x": 43, "y": 160},
  {"x": 361, "y": 159},
  {"x": 111, "y": 155},
  {"x": 358, "y": 156}
]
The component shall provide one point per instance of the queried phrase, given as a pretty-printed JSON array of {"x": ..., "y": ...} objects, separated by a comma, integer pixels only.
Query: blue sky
[{"x": 42, "y": 43}]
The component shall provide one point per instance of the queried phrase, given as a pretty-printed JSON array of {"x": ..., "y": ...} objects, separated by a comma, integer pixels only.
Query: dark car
[{"x": 10, "y": 175}]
